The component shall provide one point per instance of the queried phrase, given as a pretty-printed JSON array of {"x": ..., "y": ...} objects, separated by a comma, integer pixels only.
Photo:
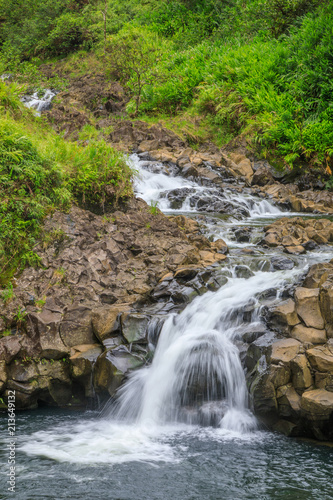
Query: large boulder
[
  {"x": 284, "y": 350},
  {"x": 76, "y": 326},
  {"x": 308, "y": 335},
  {"x": 308, "y": 308},
  {"x": 106, "y": 320},
  {"x": 289, "y": 402},
  {"x": 283, "y": 316},
  {"x": 134, "y": 327},
  {"x": 317, "y": 404},
  {"x": 321, "y": 358},
  {"x": 301, "y": 373},
  {"x": 111, "y": 368}
]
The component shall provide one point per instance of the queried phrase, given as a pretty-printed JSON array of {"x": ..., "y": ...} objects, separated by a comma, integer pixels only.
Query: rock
[
  {"x": 134, "y": 326},
  {"x": 243, "y": 272},
  {"x": 301, "y": 374},
  {"x": 285, "y": 427},
  {"x": 261, "y": 177},
  {"x": 308, "y": 335},
  {"x": 112, "y": 366},
  {"x": 76, "y": 327},
  {"x": 284, "y": 350},
  {"x": 317, "y": 275},
  {"x": 295, "y": 249},
  {"x": 220, "y": 246},
  {"x": 106, "y": 320},
  {"x": 279, "y": 375},
  {"x": 187, "y": 273},
  {"x": 272, "y": 239},
  {"x": 324, "y": 381},
  {"x": 326, "y": 304},
  {"x": 243, "y": 168},
  {"x": 317, "y": 404},
  {"x": 264, "y": 397},
  {"x": 307, "y": 306},
  {"x": 281, "y": 263},
  {"x": 46, "y": 324},
  {"x": 208, "y": 258},
  {"x": 260, "y": 348},
  {"x": 83, "y": 365},
  {"x": 321, "y": 358},
  {"x": 283, "y": 316},
  {"x": 253, "y": 332},
  {"x": 3, "y": 375},
  {"x": 243, "y": 234},
  {"x": 9, "y": 347},
  {"x": 289, "y": 401}
]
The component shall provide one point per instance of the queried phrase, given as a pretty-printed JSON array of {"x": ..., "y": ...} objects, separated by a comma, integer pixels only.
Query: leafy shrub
[{"x": 40, "y": 172}]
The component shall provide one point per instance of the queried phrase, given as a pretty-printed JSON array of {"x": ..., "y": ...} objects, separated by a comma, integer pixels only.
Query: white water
[
  {"x": 196, "y": 377},
  {"x": 39, "y": 103},
  {"x": 153, "y": 186}
]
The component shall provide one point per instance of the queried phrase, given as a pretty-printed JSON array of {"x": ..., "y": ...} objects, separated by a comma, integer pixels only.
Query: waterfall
[
  {"x": 38, "y": 103},
  {"x": 155, "y": 183},
  {"x": 196, "y": 375}
]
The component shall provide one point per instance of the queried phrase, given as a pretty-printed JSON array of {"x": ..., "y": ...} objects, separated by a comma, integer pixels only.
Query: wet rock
[
  {"x": 243, "y": 272},
  {"x": 243, "y": 235},
  {"x": 82, "y": 363},
  {"x": 259, "y": 349},
  {"x": 106, "y": 320},
  {"x": 186, "y": 273},
  {"x": 289, "y": 402},
  {"x": 134, "y": 327},
  {"x": 282, "y": 263},
  {"x": 283, "y": 316},
  {"x": 307, "y": 306},
  {"x": 220, "y": 246},
  {"x": 285, "y": 427},
  {"x": 262, "y": 176},
  {"x": 111, "y": 368},
  {"x": 253, "y": 332}
]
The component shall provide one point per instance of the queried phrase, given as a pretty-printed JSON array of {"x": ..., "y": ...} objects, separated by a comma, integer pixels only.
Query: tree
[{"x": 132, "y": 56}]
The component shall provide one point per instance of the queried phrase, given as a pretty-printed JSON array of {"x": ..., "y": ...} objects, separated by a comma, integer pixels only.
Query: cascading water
[
  {"x": 37, "y": 102},
  {"x": 196, "y": 378},
  {"x": 196, "y": 375}
]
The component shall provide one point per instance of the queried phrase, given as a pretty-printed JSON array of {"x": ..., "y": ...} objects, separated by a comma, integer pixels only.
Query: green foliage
[
  {"x": 43, "y": 27},
  {"x": 40, "y": 172},
  {"x": 154, "y": 207},
  {"x": 131, "y": 55},
  {"x": 8, "y": 293}
]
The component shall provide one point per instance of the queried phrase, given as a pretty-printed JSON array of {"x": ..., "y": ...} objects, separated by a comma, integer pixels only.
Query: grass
[{"x": 41, "y": 172}]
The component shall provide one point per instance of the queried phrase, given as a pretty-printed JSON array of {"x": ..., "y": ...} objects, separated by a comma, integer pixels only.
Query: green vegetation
[
  {"x": 39, "y": 172},
  {"x": 208, "y": 69},
  {"x": 261, "y": 68}
]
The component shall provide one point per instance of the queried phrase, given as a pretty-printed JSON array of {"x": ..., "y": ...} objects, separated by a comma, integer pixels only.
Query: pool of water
[{"x": 192, "y": 463}]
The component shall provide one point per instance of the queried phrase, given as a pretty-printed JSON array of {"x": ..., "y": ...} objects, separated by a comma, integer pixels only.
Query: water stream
[{"x": 182, "y": 427}]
